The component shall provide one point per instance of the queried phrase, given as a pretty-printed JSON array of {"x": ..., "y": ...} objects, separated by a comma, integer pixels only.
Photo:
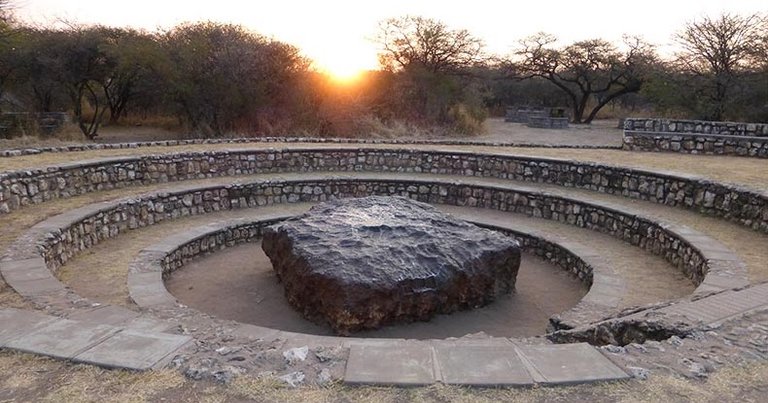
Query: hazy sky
[{"x": 337, "y": 33}]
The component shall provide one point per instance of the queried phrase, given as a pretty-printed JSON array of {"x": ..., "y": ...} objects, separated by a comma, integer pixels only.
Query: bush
[{"x": 467, "y": 120}]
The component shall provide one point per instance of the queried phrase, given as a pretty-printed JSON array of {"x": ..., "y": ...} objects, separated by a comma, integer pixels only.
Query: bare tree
[
  {"x": 718, "y": 50},
  {"x": 427, "y": 44},
  {"x": 592, "y": 71}
]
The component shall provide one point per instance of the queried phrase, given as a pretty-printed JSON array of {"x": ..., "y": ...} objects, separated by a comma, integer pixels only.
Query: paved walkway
[
  {"x": 723, "y": 306},
  {"x": 87, "y": 342},
  {"x": 487, "y": 362}
]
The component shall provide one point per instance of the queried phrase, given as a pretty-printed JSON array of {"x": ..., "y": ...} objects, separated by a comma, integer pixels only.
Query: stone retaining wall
[
  {"x": 696, "y": 137},
  {"x": 747, "y": 207},
  {"x": 705, "y": 261},
  {"x": 175, "y": 251},
  {"x": 697, "y": 127},
  {"x": 15, "y": 152},
  {"x": 546, "y": 122}
]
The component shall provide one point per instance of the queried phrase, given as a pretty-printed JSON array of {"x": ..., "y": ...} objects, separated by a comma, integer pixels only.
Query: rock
[
  {"x": 614, "y": 349},
  {"x": 697, "y": 370},
  {"x": 639, "y": 372},
  {"x": 295, "y": 355},
  {"x": 675, "y": 341},
  {"x": 293, "y": 379},
  {"x": 639, "y": 347},
  {"x": 324, "y": 377},
  {"x": 326, "y": 354},
  {"x": 228, "y": 350},
  {"x": 226, "y": 374},
  {"x": 364, "y": 263}
]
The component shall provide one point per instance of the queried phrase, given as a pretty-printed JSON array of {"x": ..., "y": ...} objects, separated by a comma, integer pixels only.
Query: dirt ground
[
  {"x": 598, "y": 133},
  {"x": 239, "y": 284}
]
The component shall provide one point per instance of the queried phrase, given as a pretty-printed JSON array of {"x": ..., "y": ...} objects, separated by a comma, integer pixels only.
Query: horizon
[{"x": 350, "y": 26}]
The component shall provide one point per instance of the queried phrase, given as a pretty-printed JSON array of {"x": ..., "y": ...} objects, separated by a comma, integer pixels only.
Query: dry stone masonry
[
  {"x": 696, "y": 137},
  {"x": 745, "y": 206}
]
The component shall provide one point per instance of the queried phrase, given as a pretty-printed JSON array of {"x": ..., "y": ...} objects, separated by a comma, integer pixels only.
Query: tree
[
  {"x": 223, "y": 77},
  {"x": 138, "y": 63},
  {"x": 81, "y": 67},
  {"x": 8, "y": 57},
  {"x": 409, "y": 42},
  {"x": 591, "y": 71},
  {"x": 429, "y": 67},
  {"x": 717, "y": 52}
]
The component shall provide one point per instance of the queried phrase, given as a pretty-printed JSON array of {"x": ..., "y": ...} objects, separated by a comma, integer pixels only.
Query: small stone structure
[
  {"x": 14, "y": 124},
  {"x": 696, "y": 137},
  {"x": 521, "y": 114},
  {"x": 364, "y": 263},
  {"x": 547, "y": 122},
  {"x": 538, "y": 117}
]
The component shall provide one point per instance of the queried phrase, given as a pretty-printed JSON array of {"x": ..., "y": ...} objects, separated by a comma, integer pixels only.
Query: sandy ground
[
  {"x": 239, "y": 284},
  {"x": 599, "y": 133}
]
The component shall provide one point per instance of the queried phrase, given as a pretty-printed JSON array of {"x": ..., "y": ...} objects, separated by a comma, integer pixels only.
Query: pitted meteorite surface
[{"x": 367, "y": 262}]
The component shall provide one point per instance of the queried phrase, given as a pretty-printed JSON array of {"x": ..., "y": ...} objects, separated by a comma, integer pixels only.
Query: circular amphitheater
[{"x": 142, "y": 256}]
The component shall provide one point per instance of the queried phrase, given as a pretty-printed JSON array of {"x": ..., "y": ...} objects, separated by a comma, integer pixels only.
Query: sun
[
  {"x": 345, "y": 66},
  {"x": 344, "y": 72}
]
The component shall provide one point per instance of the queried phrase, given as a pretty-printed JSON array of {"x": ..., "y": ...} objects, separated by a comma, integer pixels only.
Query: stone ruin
[{"x": 364, "y": 263}]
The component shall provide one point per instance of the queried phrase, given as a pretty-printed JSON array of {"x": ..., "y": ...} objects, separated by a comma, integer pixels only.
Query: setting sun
[
  {"x": 347, "y": 63},
  {"x": 344, "y": 73}
]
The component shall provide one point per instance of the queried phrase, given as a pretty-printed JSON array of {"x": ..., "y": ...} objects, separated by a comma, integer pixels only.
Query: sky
[{"x": 337, "y": 34}]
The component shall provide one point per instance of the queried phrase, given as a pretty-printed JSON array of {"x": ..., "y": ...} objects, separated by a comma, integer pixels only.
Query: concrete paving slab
[
  {"x": 562, "y": 364},
  {"x": 37, "y": 287},
  {"x": 16, "y": 323},
  {"x": 105, "y": 315},
  {"x": 404, "y": 365},
  {"x": 62, "y": 338},
  {"x": 481, "y": 366},
  {"x": 143, "y": 324},
  {"x": 130, "y": 349}
]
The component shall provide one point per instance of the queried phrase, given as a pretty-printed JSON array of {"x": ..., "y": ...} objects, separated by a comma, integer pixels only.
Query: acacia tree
[
  {"x": 591, "y": 71},
  {"x": 81, "y": 66},
  {"x": 409, "y": 42},
  {"x": 138, "y": 64},
  {"x": 717, "y": 53},
  {"x": 428, "y": 65}
]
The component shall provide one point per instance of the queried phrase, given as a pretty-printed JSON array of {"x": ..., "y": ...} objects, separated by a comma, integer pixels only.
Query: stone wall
[
  {"x": 697, "y": 259},
  {"x": 545, "y": 122},
  {"x": 696, "y": 126},
  {"x": 745, "y": 206},
  {"x": 15, "y": 152},
  {"x": 696, "y": 137}
]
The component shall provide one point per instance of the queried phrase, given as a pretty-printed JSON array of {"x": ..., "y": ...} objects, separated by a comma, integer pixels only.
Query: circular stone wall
[{"x": 239, "y": 284}]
